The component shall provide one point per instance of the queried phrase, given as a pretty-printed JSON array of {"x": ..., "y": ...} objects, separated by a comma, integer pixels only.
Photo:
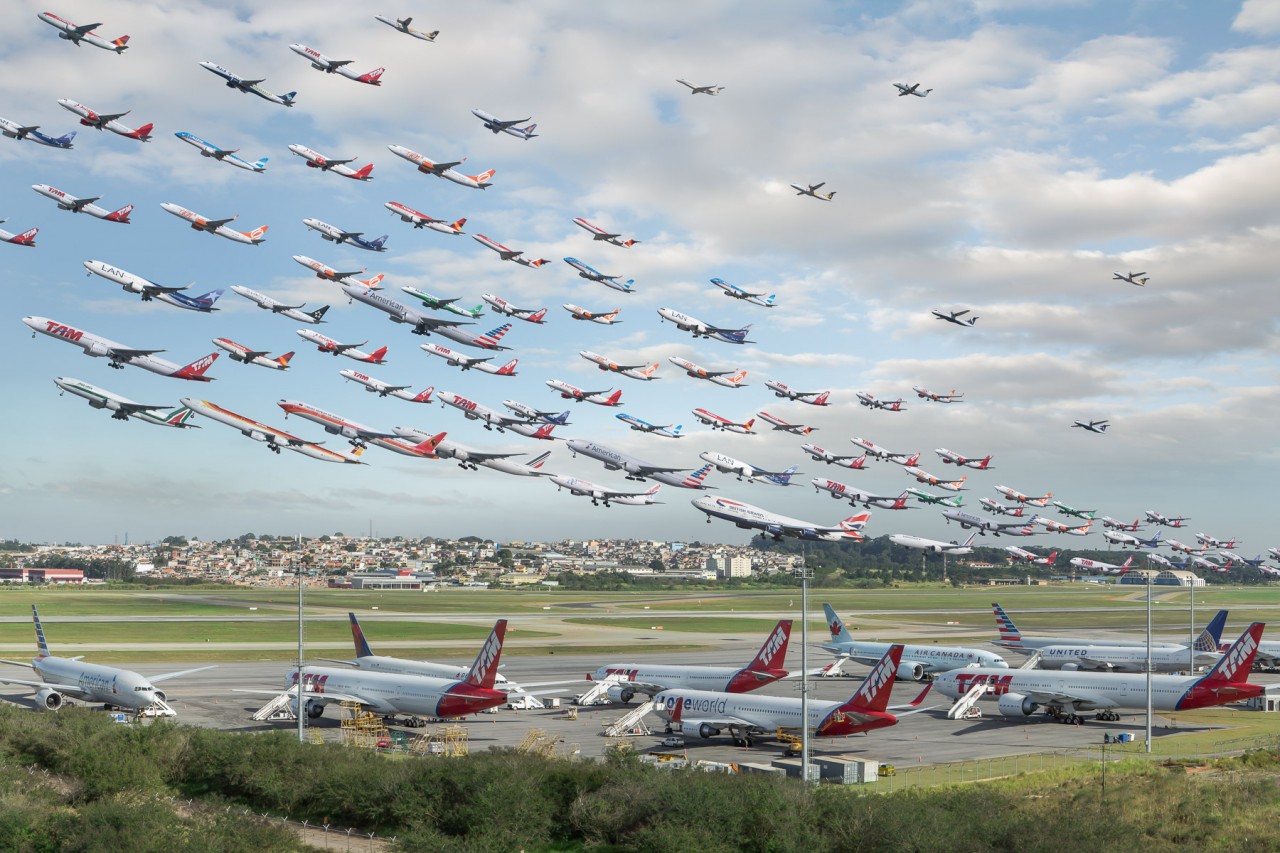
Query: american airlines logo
[
  {"x": 771, "y": 648},
  {"x": 1239, "y": 653},
  {"x": 62, "y": 331}
]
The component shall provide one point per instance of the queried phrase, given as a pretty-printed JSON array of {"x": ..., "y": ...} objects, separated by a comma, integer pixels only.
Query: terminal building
[
  {"x": 25, "y": 575},
  {"x": 1166, "y": 577}
]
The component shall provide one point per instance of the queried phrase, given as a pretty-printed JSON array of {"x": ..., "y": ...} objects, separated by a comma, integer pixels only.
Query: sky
[{"x": 1062, "y": 142}]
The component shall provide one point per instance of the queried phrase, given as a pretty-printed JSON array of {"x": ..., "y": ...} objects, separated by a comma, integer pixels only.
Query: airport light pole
[
  {"x": 1149, "y": 584},
  {"x": 802, "y": 571},
  {"x": 1191, "y": 631},
  {"x": 302, "y": 712}
]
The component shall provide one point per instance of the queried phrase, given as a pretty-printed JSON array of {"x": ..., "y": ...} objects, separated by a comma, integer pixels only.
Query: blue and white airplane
[
  {"x": 590, "y": 274},
  {"x": 705, "y": 330},
  {"x": 224, "y": 155},
  {"x": 497, "y": 125},
  {"x": 535, "y": 416},
  {"x": 235, "y": 81},
  {"x": 745, "y": 470},
  {"x": 761, "y": 299},
  {"x": 665, "y": 430},
  {"x": 149, "y": 290},
  {"x": 13, "y": 130},
  {"x": 336, "y": 235}
]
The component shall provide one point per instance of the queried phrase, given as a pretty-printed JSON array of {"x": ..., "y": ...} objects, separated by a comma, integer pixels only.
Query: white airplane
[
  {"x": 509, "y": 254},
  {"x": 579, "y": 313},
  {"x": 217, "y": 226},
  {"x": 1179, "y": 547},
  {"x": 13, "y": 130},
  {"x": 748, "y": 517},
  {"x": 917, "y": 660},
  {"x": 715, "y": 421},
  {"x": 1206, "y": 563},
  {"x": 813, "y": 398},
  {"x": 334, "y": 234},
  {"x": 119, "y": 355},
  {"x": 614, "y": 460},
  {"x": 384, "y": 389},
  {"x": 122, "y": 408},
  {"x": 812, "y": 191},
  {"x": 443, "y": 170},
  {"x": 532, "y": 415},
  {"x": 467, "y": 362},
  {"x": 1019, "y": 497},
  {"x": 1113, "y": 524},
  {"x": 328, "y": 273},
  {"x": 293, "y": 312},
  {"x": 420, "y": 445},
  {"x": 244, "y": 355},
  {"x": 572, "y": 392},
  {"x": 923, "y": 476},
  {"x": 1214, "y": 542},
  {"x": 402, "y": 25},
  {"x": 593, "y": 274},
  {"x": 502, "y": 306},
  {"x": 235, "y": 81},
  {"x": 1124, "y": 540},
  {"x": 365, "y": 659},
  {"x": 106, "y": 121},
  {"x": 926, "y": 394},
  {"x": 69, "y": 202},
  {"x": 950, "y": 457},
  {"x": 724, "y": 378},
  {"x": 869, "y": 400},
  {"x": 912, "y": 89},
  {"x": 320, "y": 62},
  {"x": 702, "y": 90},
  {"x": 879, "y": 452},
  {"x": 933, "y": 545},
  {"x": 856, "y": 496},
  {"x": 644, "y": 372},
  {"x": 1099, "y": 658},
  {"x": 929, "y": 498},
  {"x": 423, "y": 324},
  {"x": 786, "y": 426},
  {"x": 968, "y": 520},
  {"x": 270, "y": 436},
  {"x": 324, "y": 343},
  {"x": 357, "y": 433},
  {"x": 1021, "y": 555},
  {"x": 703, "y": 330},
  {"x": 84, "y": 32},
  {"x": 1054, "y": 526},
  {"x": 491, "y": 418},
  {"x": 664, "y": 430},
  {"x": 497, "y": 125},
  {"x": 746, "y": 471},
  {"x": 821, "y": 454},
  {"x": 1167, "y": 521},
  {"x": 603, "y": 494},
  {"x": 1138, "y": 278},
  {"x": 316, "y": 160},
  {"x": 149, "y": 290},
  {"x": 998, "y": 508},
  {"x": 954, "y": 317},
  {"x": 421, "y": 220},
  {"x": 1092, "y": 426},
  {"x": 470, "y": 457},
  {"x": 222, "y": 155},
  {"x": 598, "y": 233},
  {"x": 761, "y": 299},
  {"x": 1099, "y": 566}
]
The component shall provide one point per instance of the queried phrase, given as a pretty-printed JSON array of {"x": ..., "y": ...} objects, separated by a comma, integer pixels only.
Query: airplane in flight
[
  {"x": 643, "y": 372},
  {"x": 217, "y": 226},
  {"x": 148, "y": 290},
  {"x": 749, "y": 517},
  {"x": 715, "y": 421},
  {"x": 856, "y": 496},
  {"x": 724, "y": 378},
  {"x": 926, "y": 394},
  {"x": 83, "y": 32},
  {"x": 813, "y": 398},
  {"x": 923, "y": 476},
  {"x": 603, "y": 494},
  {"x": 1054, "y": 526},
  {"x": 122, "y": 408},
  {"x": 69, "y": 202},
  {"x": 747, "y": 471},
  {"x": 1022, "y": 555},
  {"x": 385, "y": 389},
  {"x": 1113, "y": 524},
  {"x": 13, "y": 130},
  {"x": 624, "y": 680},
  {"x": 879, "y": 452},
  {"x": 785, "y": 426},
  {"x": 509, "y": 254},
  {"x": 328, "y": 273},
  {"x": 320, "y": 62},
  {"x": 1019, "y": 497},
  {"x": 324, "y": 343},
  {"x": 532, "y": 415},
  {"x": 1214, "y": 542},
  {"x": 954, "y": 317},
  {"x": 402, "y": 25},
  {"x": 1092, "y": 426},
  {"x": 293, "y": 312},
  {"x": 470, "y": 457},
  {"x": 1133, "y": 278},
  {"x": 273, "y": 438},
  {"x": 1085, "y": 514},
  {"x": 244, "y": 355},
  {"x": 579, "y": 313},
  {"x": 694, "y": 480},
  {"x": 119, "y": 355},
  {"x": 933, "y": 546},
  {"x": 502, "y": 306},
  {"x": 950, "y": 457},
  {"x": 94, "y": 684},
  {"x": 927, "y": 498},
  {"x": 334, "y": 234},
  {"x": 222, "y": 155},
  {"x": 1124, "y": 540},
  {"x": 761, "y": 299},
  {"x": 821, "y": 454},
  {"x": 235, "y": 81},
  {"x": 664, "y": 430},
  {"x": 572, "y": 392},
  {"x": 1206, "y": 563},
  {"x": 997, "y": 508},
  {"x": 1180, "y": 547},
  {"x": 592, "y": 274},
  {"x": 107, "y": 121},
  {"x": 444, "y": 170},
  {"x": 423, "y": 324},
  {"x": 493, "y": 419},
  {"x": 467, "y": 362},
  {"x": 598, "y": 233},
  {"x": 912, "y": 89},
  {"x": 968, "y": 520},
  {"x": 436, "y": 303},
  {"x": 917, "y": 661},
  {"x": 498, "y": 125},
  {"x": 869, "y": 400},
  {"x": 421, "y": 220},
  {"x": 615, "y": 460},
  {"x": 316, "y": 160},
  {"x": 1099, "y": 566},
  {"x": 701, "y": 90},
  {"x": 356, "y": 433},
  {"x": 705, "y": 330},
  {"x": 1158, "y": 518},
  {"x": 812, "y": 191}
]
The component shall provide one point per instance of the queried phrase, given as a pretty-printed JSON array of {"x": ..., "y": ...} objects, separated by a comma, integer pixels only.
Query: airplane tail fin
[
  {"x": 508, "y": 369},
  {"x": 121, "y": 215},
  {"x": 527, "y": 131},
  {"x": 26, "y": 238},
  {"x": 736, "y": 378},
  {"x": 195, "y": 370},
  {"x": 283, "y": 360},
  {"x": 873, "y": 695},
  {"x": 676, "y": 429},
  {"x": 256, "y": 234},
  {"x": 431, "y": 36},
  {"x": 537, "y": 316},
  {"x": 769, "y": 300},
  {"x": 614, "y": 398},
  {"x": 205, "y": 300},
  {"x": 428, "y": 447},
  {"x": 1008, "y": 631},
  {"x": 821, "y": 399},
  {"x": 973, "y": 320},
  {"x": 697, "y": 477},
  {"x": 143, "y": 133},
  {"x": 66, "y": 138},
  {"x": 357, "y": 636},
  {"x": 457, "y": 226},
  {"x": 122, "y": 44},
  {"x": 362, "y": 174},
  {"x": 839, "y": 633},
  {"x": 495, "y": 335},
  {"x": 378, "y": 243},
  {"x": 649, "y": 369},
  {"x": 260, "y": 164},
  {"x": 537, "y": 262},
  {"x": 377, "y": 356},
  {"x": 773, "y": 654},
  {"x": 1211, "y": 636},
  {"x": 485, "y": 668},
  {"x": 179, "y": 416},
  {"x": 1234, "y": 666},
  {"x": 856, "y": 522},
  {"x": 629, "y": 243},
  {"x": 318, "y": 313},
  {"x": 373, "y": 283},
  {"x": 41, "y": 645},
  {"x": 1052, "y": 558},
  {"x": 545, "y": 431},
  {"x": 1103, "y": 427},
  {"x": 560, "y": 419},
  {"x": 983, "y": 463},
  {"x": 537, "y": 461},
  {"x": 483, "y": 177},
  {"x": 913, "y": 459},
  {"x": 425, "y": 396},
  {"x": 372, "y": 77},
  {"x": 654, "y": 490},
  {"x": 288, "y": 97}
]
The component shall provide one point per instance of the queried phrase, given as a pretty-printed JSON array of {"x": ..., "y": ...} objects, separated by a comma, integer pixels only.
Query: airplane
[
  {"x": 1019, "y": 497},
  {"x": 217, "y": 226},
  {"x": 383, "y": 389},
  {"x": 820, "y": 454},
  {"x": 1105, "y": 658},
  {"x": 954, "y": 317},
  {"x": 579, "y": 313},
  {"x": 1175, "y": 521},
  {"x": 509, "y": 254},
  {"x": 927, "y": 498},
  {"x": 421, "y": 220},
  {"x": 913, "y": 89},
  {"x": 1206, "y": 563},
  {"x": 665, "y": 430},
  {"x": 532, "y": 415},
  {"x": 1085, "y": 514},
  {"x": 1132, "y": 527},
  {"x": 856, "y": 496},
  {"x": 316, "y": 160},
  {"x": 357, "y": 433},
  {"x": 422, "y": 324},
  {"x": 493, "y": 419},
  {"x": 497, "y": 125},
  {"x": 467, "y": 457},
  {"x": 76, "y": 34},
  {"x": 320, "y": 62},
  {"x": 1063, "y": 695},
  {"x": 1214, "y": 542},
  {"x": 1099, "y": 566},
  {"x": 1021, "y": 555},
  {"x": 761, "y": 299},
  {"x": 328, "y": 273},
  {"x": 749, "y": 517},
  {"x": 366, "y": 660},
  {"x": 933, "y": 545},
  {"x": 149, "y": 290},
  {"x": 502, "y": 306},
  {"x": 598, "y": 233},
  {"x": 402, "y": 25},
  {"x": 643, "y": 372},
  {"x": 222, "y": 155},
  {"x": 1132, "y": 278},
  {"x": 336, "y": 235},
  {"x": 324, "y": 343},
  {"x": 968, "y": 520},
  {"x": 13, "y": 130},
  {"x": 592, "y": 274},
  {"x": 122, "y": 408},
  {"x": 869, "y": 400},
  {"x": 715, "y": 421},
  {"x": 1012, "y": 638},
  {"x": 94, "y": 684},
  {"x": 437, "y": 303},
  {"x": 467, "y": 362},
  {"x": 813, "y": 398},
  {"x": 704, "y": 330},
  {"x": 950, "y": 457},
  {"x": 443, "y": 170},
  {"x": 119, "y": 355},
  {"x": 625, "y": 680},
  {"x": 106, "y": 121},
  {"x": 614, "y": 460},
  {"x": 1092, "y": 426},
  {"x": 603, "y": 494},
  {"x": 572, "y": 392},
  {"x": 926, "y": 394},
  {"x": 69, "y": 202},
  {"x": 745, "y": 470},
  {"x": 270, "y": 436},
  {"x": 998, "y": 508},
  {"x": 780, "y": 424},
  {"x": 293, "y": 312},
  {"x": 917, "y": 661},
  {"x": 879, "y": 452},
  {"x": 241, "y": 353},
  {"x": 812, "y": 191},
  {"x": 923, "y": 476},
  {"x": 234, "y": 81},
  {"x": 695, "y": 480},
  {"x": 701, "y": 90},
  {"x": 1124, "y": 540},
  {"x": 1054, "y": 526},
  {"x": 724, "y": 378},
  {"x": 1274, "y": 552}
]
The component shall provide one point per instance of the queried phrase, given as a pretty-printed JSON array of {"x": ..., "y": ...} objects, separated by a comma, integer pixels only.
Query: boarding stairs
[
  {"x": 159, "y": 708},
  {"x": 599, "y": 690},
  {"x": 283, "y": 707},
  {"x": 964, "y": 705},
  {"x": 631, "y": 723}
]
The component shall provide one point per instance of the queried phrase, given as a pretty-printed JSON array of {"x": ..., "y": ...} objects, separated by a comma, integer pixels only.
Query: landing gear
[{"x": 1107, "y": 716}]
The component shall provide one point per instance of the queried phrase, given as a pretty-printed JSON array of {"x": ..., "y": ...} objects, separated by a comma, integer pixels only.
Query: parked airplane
[
  {"x": 926, "y": 498},
  {"x": 761, "y": 299},
  {"x": 293, "y": 312},
  {"x": 402, "y": 25},
  {"x": 467, "y": 362},
  {"x": 603, "y": 494},
  {"x": 702, "y": 90},
  {"x": 270, "y": 436},
  {"x": 998, "y": 508},
  {"x": 235, "y": 81},
  {"x": 820, "y": 454},
  {"x": 954, "y": 317},
  {"x": 217, "y": 226},
  {"x": 1133, "y": 278},
  {"x": 598, "y": 233},
  {"x": 572, "y": 392},
  {"x": 592, "y": 274},
  {"x": 118, "y": 354},
  {"x": 580, "y": 313},
  {"x": 443, "y": 170},
  {"x": 644, "y": 372},
  {"x": 917, "y": 660},
  {"x": 869, "y": 400},
  {"x": 320, "y": 62},
  {"x": 532, "y": 415},
  {"x": 704, "y": 330},
  {"x": 856, "y": 496},
  {"x": 813, "y": 398},
  {"x": 357, "y": 433},
  {"x": 1099, "y": 566},
  {"x": 334, "y": 234},
  {"x": 780, "y": 424},
  {"x": 1012, "y": 638},
  {"x": 950, "y": 457},
  {"x": 912, "y": 89},
  {"x": 926, "y": 394},
  {"x": 316, "y": 160},
  {"x": 749, "y": 517},
  {"x": 1085, "y": 514},
  {"x": 423, "y": 324},
  {"x": 1158, "y": 518},
  {"x": 967, "y": 520},
  {"x": 725, "y": 378},
  {"x": 324, "y": 343},
  {"x": 933, "y": 545},
  {"x": 149, "y": 290},
  {"x": 715, "y": 421},
  {"x": 438, "y": 304},
  {"x": 244, "y": 355},
  {"x": 421, "y": 220},
  {"x": 1092, "y": 426},
  {"x": 879, "y": 452},
  {"x": 664, "y": 430},
  {"x": 745, "y": 470},
  {"x": 614, "y": 460},
  {"x": 509, "y": 254},
  {"x": 84, "y": 32},
  {"x": 107, "y": 121},
  {"x": 366, "y": 660},
  {"x": 383, "y": 389},
  {"x": 13, "y": 130},
  {"x": 1107, "y": 658},
  {"x": 1015, "y": 495},
  {"x": 122, "y": 408},
  {"x": 923, "y": 476},
  {"x": 812, "y": 191},
  {"x": 497, "y": 125},
  {"x": 328, "y": 273},
  {"x": 1022, "y": 555},
  {"x": 222, "y": 155},
  {"x": 69, "y": 202}
]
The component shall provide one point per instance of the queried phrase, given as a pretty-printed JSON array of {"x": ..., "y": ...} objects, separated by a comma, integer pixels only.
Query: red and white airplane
[
  {"x": 1158, "y": 518},
  {"x": 856, "y": 496},
  {"x": 443, "y": 170},
  {"x": 821, "y": 454},
  {"x": 421, "y": 446},
  {"x": 324, "y": 343},
  {"x": 879, "y": 452},
  {"x": 572, "y": 392},
  {"x": 508, "y": 254},
  {"x": 926, "y": 394},
  {"x": 217, "y": 226},
  {"x": 715, "y": 421},
  {"x": 502, "y": 306},
  {"x": 598, "y": 233},
  {"x": 316, "y": 160},
  {"x": 1184, "y": 548},
  {"x": 813, "y": 398},
  {"x": 643, "y": 372},
  {"x": 467, "y": 362},
  {"x": 421, "y": 220},
  {"x": 66, "y": 201},
  {"x": 580, "y": 313},
  {"x": 1015, "y": 495},
  {"x": 106, "y": 121},
  {"x": 950, "y": 457},
  {"x": 244, "y": 355},
  {"x": 385, "y": 389},
  {"x": 1112, "y": 524},
  {"x": 786, "y": 426},
  {"x": 871, "y": 402},
  {"x": 1099, "y": 566},
  {"x": 1213, "y": 542},
  {"x": 923, "y": 476},
  {"x": 320, "y": 62},
  {"x": 357, "y": 433},
  {"x": 26, "y": 238},
  {"x": 328, "y": 273},
  {"x": 1021, "y": 555},
  {"x": 603, "y": 494},
  {"x": 998, "y": 508},
  {"x": 724, "y": 378},
  {"x": 272, "y": 437},
  {"x": 1054, "y": 526},
  {"x": 119, "y": 355},
  {"x": 84, "y": 32}
]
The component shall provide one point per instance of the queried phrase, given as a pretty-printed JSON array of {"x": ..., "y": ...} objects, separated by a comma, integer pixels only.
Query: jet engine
[
  {"x": 701, "y": 729},
  {"x": 621, "y": 694},
  {"x": 49, "y": 698},
  {"x": 1070, "y": 667},
  {"x": 98, "y": 349},
  {"x": 313, "y": 708},
  {"x": 910, "y": 671},
  {"x": 1017, "y": 705}
]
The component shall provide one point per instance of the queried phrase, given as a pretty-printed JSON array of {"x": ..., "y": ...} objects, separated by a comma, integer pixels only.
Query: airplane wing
[
  {"x": 328, "y": 164},
  {"x": 658, "y": 469},
  {"x": 69, "y": 689},
  {"x": 326, "y": 696},
  {"x": 485, "y": 456},
  {"x": 214, "y": 224},
  {"x": 252, "y": 82},
  {"x": 156, "y": 288},
  {"x": 347, "y": 235},
  {"x": 106, "y": 117},
  {"x": 440, "y": 167},
  {"x": 1062, "y": 697},
  {"x": 278, "y": 308},
  {"x": 338, "y": 63},
  {"x": 520, "y": 121},
  {"x": 436, "y": 323},
  {"x": 85, "y": 28},
  {"x": 219, "y": 153},
  {"x": 168, "y": 675},
  {"x": 132, "y": 353},
  {"x": 84, "y": 202},
  {"x": 961, "y": 313},
  {"x": 131, "y": 408}
]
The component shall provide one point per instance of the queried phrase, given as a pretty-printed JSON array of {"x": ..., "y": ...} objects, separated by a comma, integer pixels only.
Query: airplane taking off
[
  {"x": 704, "y": 330},
  {"x": 761, "y": 299},
  {"x": 1214, "y": 542},
  {"x": 715, "y": 421},
  {"x": 813, "y": 398},
  {"x": 493, "y": 419},
  {"x": 509, "y": 254},
  {"x": 968, "y": 520},
  {"x": 502, "y": 306},
  {"x": 927, "y": 498},
  {"x": 603, "y": 494},
  {"x": 468, "y": 457},
  {"x": 950, "y": 457},
  {"x": 217, "y": 226},
  {"x": 664, "y": 430},
  {"x": 421, "y": 220},
  {"x": 821, "y": 454},
  {"x": 997, "y": 508},
  {"x": 334, "y": 234},
  {"x": 222, "y": 155},
  {"x": 13, "y": 130},
  {"x": 749, "y": 517},
  {"x": 786, "y": 426},
  {"x": 324, "y": 343},
  {"x": 879, "y": 452},
  {"x": 1124, "y": 540},
  {"x": 598, "y": 233},
  {"x": 467, "y": 362},
  {"x": 912, "y": 89},
  {"x": 106, "y": 121},
  {"x": 1175, "y": 521},
  {"x": 1015, "y": 495},
  {"x": 235, "y": 81},
  {"x": 83, "y": 205},
  {"x": 644, "y": 372},
  {"x": 1179, "y": 547},
  {"x": 812, "y": 191},
  {"x": 1092, "y": 426},
  {"x": 316, "y": 160},
  {"x": 917, "y": 660},
  {"x": 402, "y": 25},
  {"x": 122, "y": 408},
  {"x": 856, "y": 496},
  {"x": 270, "y": 436},
  {"x": 954, "y": 317},
  {"x": 933, "y": 545},
  {"x": 1132, "y": 278},
  {"x": 384, "y": 389},
  {"x": 532, "y": 415},
  {"x": 1099, "y": 566},
  {"x": 84, "y": 32},
  {"x": 244, "y": 355},
  {"x": 923, "y": 476},
  {"x": 614, "y": 460},
  {"x": 443, "y": 170},
  {"x": 702, "y": 90},
  {"x": 119, "y": 355},
  {"x": 438, "y": 304},
  {"x": 592, "y": 274},
  {"x": 926, "y": 394},
  {"x": 422, "y": 324},
  {"x": 745, "y": 470},
  {"x": 320, "y": 62},
  {"x": 605, "y": 319},
  {"x": 357, "y": 433},
  {"x": 869, "y": 400},
  {"x": 724, "y": 378},
  {"x": 1113, "y": 524},
  {"x": 497, "y": 125},
  {"x": 328, "y": 273},
  {"x": 149, "y": 290},
  {"x": 1084, "y": 514},
  {"x": 293, "y": 312},
  {"x": 572, "y": 392},
  {"x": 1022, "y": 555}
]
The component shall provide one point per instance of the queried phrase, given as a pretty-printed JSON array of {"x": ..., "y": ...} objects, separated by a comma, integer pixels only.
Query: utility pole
[
  {"x": 804, "y": 575},
  {"x": 1149, "y": 579},
  {"x": 302, "y": 710}
]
